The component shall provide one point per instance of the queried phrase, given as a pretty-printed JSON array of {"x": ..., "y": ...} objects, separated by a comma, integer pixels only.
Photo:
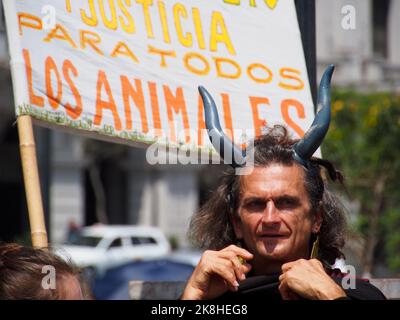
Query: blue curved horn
[
  {"x": 221, "y": 142},
  {"x": 305, "y": 148}
]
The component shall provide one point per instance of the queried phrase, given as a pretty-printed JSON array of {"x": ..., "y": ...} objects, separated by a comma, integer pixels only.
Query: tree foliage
[{"x": 364, "y": 142}]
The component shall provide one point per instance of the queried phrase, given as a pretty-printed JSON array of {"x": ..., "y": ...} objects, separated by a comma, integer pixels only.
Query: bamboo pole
[
  {"x": 32, "y": 182},
  {"x": 25, "y": 130}
]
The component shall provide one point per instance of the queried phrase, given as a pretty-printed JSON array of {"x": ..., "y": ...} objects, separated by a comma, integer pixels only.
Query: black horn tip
[
  {"x": 205, "y": 95},
  {"x": 305, "y": 148},
  {"x": 202, "y": 90},
  {"x": 327, "y": 76}
]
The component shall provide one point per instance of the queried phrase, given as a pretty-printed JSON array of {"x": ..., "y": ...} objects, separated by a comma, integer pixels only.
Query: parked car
[
  {"x": 114, "y": 284},
  {"x": 187, "y": 256},
  {"x": 99, "y": 248}
]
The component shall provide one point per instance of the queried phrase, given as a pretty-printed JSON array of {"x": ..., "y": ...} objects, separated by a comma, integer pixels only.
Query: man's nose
[{"x": 271, "y": 214}]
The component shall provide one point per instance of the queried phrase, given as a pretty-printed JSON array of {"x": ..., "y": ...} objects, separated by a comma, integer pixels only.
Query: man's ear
[
  {"x": 317, "y": 220},
  {"x": 237, "y": 225}
]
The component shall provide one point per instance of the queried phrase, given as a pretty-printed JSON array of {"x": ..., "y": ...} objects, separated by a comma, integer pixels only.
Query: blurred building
[
  {"x": 86, "y": 181},
  {"x": 360, "y": 38}
]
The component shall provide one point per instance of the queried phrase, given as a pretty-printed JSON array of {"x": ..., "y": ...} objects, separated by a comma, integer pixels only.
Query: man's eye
[
  {"x": 255, "y": 206},
  {"x": 286, "y": 203}
]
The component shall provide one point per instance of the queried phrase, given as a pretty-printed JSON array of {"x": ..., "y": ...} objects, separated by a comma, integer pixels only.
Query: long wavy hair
[{"x": 211, "y": 228}]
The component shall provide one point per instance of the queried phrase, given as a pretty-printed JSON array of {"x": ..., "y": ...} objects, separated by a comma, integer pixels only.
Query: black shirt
[{"x": 266, "y": 287}]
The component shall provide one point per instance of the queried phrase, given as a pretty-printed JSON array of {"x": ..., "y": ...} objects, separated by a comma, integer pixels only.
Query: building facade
[{"x": 360, "y": 38}]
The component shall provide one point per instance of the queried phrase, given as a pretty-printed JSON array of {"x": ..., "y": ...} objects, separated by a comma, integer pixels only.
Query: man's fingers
[
  {"x": 238, "y": 257},
  {"x": 286, "y": 292},
  {"x": 283, "y": 289},
  {"x": 287, "y": 266},
  {"x": 223, "y": 266},
  {"x": 230, "y": 287},
  {"x": 239, "y": 268},
  {"x": 227, "y": 273},
  {"x": 246, "y": 255},
  {"x": 247, "y": 267},
  {"x": 216, "y": 272}
]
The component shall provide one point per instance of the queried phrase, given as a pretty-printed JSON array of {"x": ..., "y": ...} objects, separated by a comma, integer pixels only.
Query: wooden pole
[
  {"x": 25, "y": 130},
  {"x": 32, "y": 182}
]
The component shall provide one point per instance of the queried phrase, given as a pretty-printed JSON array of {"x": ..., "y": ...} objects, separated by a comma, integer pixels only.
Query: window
[
  {"x": 86, "y": 241},
  {"x": 147, "y": 240},
  {"x": 380, "y": 10},
  {"x": 142, "y": 240},
  {"x": 116, "y": 243},
  {"x": 135, "y": 241}
]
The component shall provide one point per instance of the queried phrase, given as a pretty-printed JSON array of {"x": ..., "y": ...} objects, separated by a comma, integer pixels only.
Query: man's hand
[
  {"x": 308, "y": 279},
  {"x": 217, "y": 272}
]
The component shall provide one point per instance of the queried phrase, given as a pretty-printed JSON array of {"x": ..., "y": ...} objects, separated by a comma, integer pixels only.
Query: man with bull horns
[{"x": 274, "y": 230}]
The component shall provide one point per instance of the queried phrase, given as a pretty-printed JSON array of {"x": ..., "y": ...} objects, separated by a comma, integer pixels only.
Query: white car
[{"x": 102, "y": 247}]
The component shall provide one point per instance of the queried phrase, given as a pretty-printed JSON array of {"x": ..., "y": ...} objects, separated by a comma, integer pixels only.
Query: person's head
[
  {"x": 25, "y": 275},
  {"x": 277, "y": 210}
]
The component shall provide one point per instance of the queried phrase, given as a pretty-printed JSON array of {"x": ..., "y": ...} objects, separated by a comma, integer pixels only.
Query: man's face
[{"x": 275, "y": 219}]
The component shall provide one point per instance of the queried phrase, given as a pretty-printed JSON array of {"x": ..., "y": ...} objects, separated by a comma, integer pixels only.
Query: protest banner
[{"x": 128, "y": 70}]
